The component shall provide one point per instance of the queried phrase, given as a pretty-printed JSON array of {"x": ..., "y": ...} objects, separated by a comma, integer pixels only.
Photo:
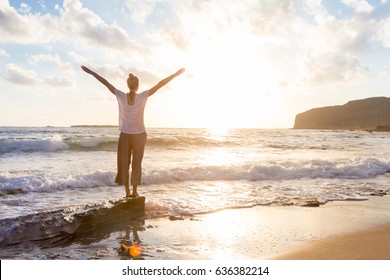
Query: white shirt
[{"x": 131, "y": 117}]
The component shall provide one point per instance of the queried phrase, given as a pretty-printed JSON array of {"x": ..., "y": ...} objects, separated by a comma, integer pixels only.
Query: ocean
[{"x": 49, "y": 175}]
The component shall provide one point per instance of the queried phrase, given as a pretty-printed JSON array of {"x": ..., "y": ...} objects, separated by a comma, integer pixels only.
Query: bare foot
[{"x": 134, "y": 194}]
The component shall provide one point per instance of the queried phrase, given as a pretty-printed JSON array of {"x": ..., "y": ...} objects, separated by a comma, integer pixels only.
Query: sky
[{"x": 249, "y": 63}]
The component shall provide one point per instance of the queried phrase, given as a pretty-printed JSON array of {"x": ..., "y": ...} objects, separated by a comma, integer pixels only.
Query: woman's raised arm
[
  {"x": 165, "y": 81},
  {"x": 99, "y": 78}
]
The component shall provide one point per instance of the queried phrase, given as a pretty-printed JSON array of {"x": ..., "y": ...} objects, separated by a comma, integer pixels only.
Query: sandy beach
[
  {"x": 337, "y": 230},
  {"x": 373, "y": 244},
  {"x": 368, "y": 241}
]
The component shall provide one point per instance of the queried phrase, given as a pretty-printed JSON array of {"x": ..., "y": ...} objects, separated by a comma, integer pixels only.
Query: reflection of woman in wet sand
[{"x": 132, "y": 139}]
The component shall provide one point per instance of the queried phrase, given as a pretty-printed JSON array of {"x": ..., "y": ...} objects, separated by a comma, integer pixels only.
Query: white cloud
[
  {"x": 58, "y": 82},
  {"x": 141, "y": 10},
  {"x": 79, "y": 59},
  {"x": 315, "y": 42},
  {"x": 360, "y": 6},
  {"x": 75, "y": 24},
  {"x": 303, "y": 31},
  {"x": 45, "y": 58},
  {"x": 118, "y": 74},
  {"x": 273, "y": 18},
  {"x": 42, "y": 4},
  {"x": 383, "y": 32},
  {"x": 27, "y": 28},
  {"x": 49, "y": 59},
  {"x": 24, "y": 8},
  {"x": 175, "y": 36},
  {"x": 334, "y": 47},
  {"x": 91, "y": 30},
  {"x": 331, "y": 35},
  {"x": 18, "y": 75},
  {"x": 3, "y": 53},
  {"x": 15, "y": 74},
  {"x": 333, "y": 68}
]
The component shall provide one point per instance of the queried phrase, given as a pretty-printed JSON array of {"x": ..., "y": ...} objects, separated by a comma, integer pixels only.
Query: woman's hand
[
  {"x": 86, "y": 69},
  {"x": 181, "y": 71}
]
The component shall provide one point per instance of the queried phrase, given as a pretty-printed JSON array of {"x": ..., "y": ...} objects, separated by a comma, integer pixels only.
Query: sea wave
[
  {"x": 32, "y": 145},
  {"x": 12, "y": 183},
  {"x": 354, "y": 168},
  {"x": 57, "y": 143},
  {"x": 284, "y": 170}
]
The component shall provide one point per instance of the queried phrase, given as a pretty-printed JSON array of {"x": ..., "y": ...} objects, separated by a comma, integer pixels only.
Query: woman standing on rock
[{"x": 132, "y": 138}]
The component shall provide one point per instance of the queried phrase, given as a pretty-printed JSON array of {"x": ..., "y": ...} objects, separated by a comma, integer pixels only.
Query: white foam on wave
[
  {"x": 100, "y": 143},
  {"x": 357, "y": 168},
  {"x": 56, "y": 142},
  {"x": 284, "y": 170},
  {"x": 43, "y": 182},
  {"x": 51, "y": 144},
  {"x": 203, "y": 197}
]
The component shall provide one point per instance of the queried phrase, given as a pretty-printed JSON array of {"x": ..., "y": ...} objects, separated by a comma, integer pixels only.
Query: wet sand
[
  {"x": 350, "y": 230},
  {"x": 371, "y": 244},
  {"x": 325, "y": 232},
  {"x": 337, "y": 230}
]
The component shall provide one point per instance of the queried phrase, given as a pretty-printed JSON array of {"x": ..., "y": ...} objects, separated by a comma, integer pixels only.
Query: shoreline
[{"x": 268, "y": 232}]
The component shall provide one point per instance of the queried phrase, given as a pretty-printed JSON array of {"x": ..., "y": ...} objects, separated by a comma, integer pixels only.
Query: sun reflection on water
[
  {"x": 219, "y": 132},
  {"x": 227, "y": 233},
  {"x": 218, "y": 156}
]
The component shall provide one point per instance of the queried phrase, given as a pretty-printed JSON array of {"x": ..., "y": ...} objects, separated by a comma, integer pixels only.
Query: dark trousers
[{"x": 130, "y": 151}]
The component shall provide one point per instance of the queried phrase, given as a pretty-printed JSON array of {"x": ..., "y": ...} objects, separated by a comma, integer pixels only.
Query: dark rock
[
  {"x": 379, "y": 193},
  {"x": 364, "y": 114},
  {"x": 58, "y": 226},
  {"x": 12, "y": 192},
  {"x": 312, "y": 202},
  {"x": 175, "y": 218},
  {"x": 382, "y": 128}
]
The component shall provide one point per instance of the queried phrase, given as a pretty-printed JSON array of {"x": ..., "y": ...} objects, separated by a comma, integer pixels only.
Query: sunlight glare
[
  {"x": 218, "y": 132},
  {"x": 218, "y": 157},
  {"x": 229, "y": 78},
  {"x": 218, "y": 223}
]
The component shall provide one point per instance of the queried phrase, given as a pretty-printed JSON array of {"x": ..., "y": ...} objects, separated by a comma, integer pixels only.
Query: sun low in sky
[{"x": 249, "y": 63}]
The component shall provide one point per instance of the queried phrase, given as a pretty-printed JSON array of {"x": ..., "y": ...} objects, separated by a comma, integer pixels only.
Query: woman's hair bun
[{"x": 131, "y": 75}]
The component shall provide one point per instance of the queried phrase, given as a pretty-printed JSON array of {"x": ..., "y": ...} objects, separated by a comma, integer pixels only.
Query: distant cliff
[{"x": 368, "y": 114}]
